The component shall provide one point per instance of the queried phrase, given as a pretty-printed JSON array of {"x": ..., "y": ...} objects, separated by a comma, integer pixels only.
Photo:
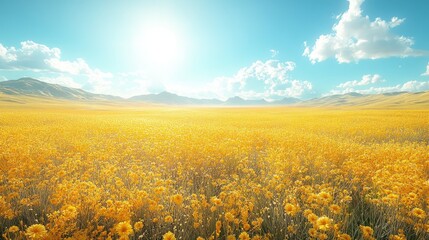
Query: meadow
[{"x": 213, "y": 173}]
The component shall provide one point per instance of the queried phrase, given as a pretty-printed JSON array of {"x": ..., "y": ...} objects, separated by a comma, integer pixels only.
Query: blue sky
[{"x": 252, "y": 49}]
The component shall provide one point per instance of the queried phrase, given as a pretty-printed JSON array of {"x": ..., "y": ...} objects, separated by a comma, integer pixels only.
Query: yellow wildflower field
[{"x": 213, "y": 173}]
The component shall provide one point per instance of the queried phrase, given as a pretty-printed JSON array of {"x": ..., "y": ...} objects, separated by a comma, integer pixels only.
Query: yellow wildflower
[
  {"x": 229, "y": 217},
  {"x": 168, "y": 219},
  {"x": 124, "y": 229},
  {"x": 323, "y": 223},
  {"x": 244, "y": 236},
  {"x": 218, "y": 226},
  {"x": 312, "y": 218},
  {"x": 230, "y": 237},
  {"x": 312, "y": 232},
  {"x": 138, "y": 225},
  {"x": 366, "y": 231},
  {"x": 36, "y": 231},
  {"x": 177, "y": 199},
  {"x": 344, "y": 236},
  {"x": 291, "y": 209},
  {"x": 335, "y": 209},
  {"x": 169, "y": 236},
  {"x": 418, "y": 212},
  {"x": 13, "y": 229},
  {"x": 322, "y": 236}
]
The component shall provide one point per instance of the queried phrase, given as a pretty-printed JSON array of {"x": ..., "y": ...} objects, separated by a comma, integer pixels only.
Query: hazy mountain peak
[
  {"x": 165, "y": 93},
  {"x": 235, "y": 98},
  {"x": 37, "y": 88},
  {"x": 354, "y": 94},
  {"x": 394, "y": 99},
  {"x": 288, "y": 100}
]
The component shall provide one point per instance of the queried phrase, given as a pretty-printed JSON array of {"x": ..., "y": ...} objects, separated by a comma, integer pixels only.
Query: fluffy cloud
[
  {"x": 366, "y": 80},
  {"x": 427, "y": 71},
  {"x": 61, "y": 80},
  {"x": 5, "y": 55},
  {"x": 356, "y": 37},
  {"x": 410, "y": 86},
  {"x": 269, "y": 80},
  {"x": 356, "y": 85},
  {"x": 274, "y": 53},
  {"x": 415, "y": 86},
  {"x": 30, "y": 56},
  {"x": 38, "y": 57},
  {"x": 137, "y": 83}
]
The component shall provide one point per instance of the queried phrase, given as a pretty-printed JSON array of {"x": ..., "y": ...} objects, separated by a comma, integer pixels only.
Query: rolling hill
[
  {"x": 387, "y": 100},
  {"x": 238, "y": 101},
  {"x": 29, "y": 90},
  {"x": 35, "y": 88},
  {"x": 174, "y": 99}
]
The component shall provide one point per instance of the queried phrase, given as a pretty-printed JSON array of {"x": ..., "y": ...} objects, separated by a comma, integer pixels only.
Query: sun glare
[{"x": 160, "y": 46}]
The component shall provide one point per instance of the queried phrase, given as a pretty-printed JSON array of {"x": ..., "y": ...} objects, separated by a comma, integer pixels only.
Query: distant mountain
[
  {"x": 35, "y": 88},
  {"x": 287, "y": 100},
  {"x": 393, "y": 93},
  {"x": 12, "y": 90},
  {"x": 389, "y": 100},
  {"x": 174, "y": 99},
  {"x": 334, "y": 100},
  {"x": 237, "y": 101}
]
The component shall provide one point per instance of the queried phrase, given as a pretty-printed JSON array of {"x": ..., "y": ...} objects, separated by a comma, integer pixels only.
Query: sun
[{"x": 160, "y": 46}]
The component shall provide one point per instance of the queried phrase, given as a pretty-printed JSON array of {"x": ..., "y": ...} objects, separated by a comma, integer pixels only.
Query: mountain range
[
  {"x": 36, "y": 88},
  {"x": 29, "y": 87},
  {"x": 387, "y": 100}
]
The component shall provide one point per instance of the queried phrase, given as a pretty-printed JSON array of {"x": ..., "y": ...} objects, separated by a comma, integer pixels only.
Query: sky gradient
[{"x": 219, "y": 49}]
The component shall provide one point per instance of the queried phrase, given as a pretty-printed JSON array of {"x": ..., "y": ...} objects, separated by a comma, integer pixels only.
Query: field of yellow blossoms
[{"x": 214, "y": 173}]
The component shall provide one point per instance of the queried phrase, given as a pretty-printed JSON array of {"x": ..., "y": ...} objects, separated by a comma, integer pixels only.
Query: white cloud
[
  {"x": 366, "y": 80},
  {"x": 136, "y": 83},
  {"x": 274, "y": 53},
  {"x": 427, "y": 71},
  {"x": 41, "y": 58},
  {"x": 5, "y": 55},
  {"x": 30, "y": 56},
  {"x": 73, "y": 67},
  {"x": 356, "y": 37},
  {"x": 415, "y": 86},
  {"x": 61, "y": 80},
  {"x": 410, "y": 86},
  {"x": 350, "y": 86},
  {"x": 269, "y": 80},
  {"x": 99, "y": 80}
]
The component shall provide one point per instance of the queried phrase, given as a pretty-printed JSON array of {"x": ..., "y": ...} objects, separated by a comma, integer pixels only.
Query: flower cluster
[{"x": 199, "y": 173}]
